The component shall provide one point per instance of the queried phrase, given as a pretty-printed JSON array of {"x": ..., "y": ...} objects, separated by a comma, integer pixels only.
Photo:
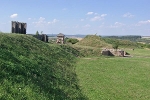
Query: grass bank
[
  {"x": 33, "y": 70},
  {"x": 93, "y": 41}
]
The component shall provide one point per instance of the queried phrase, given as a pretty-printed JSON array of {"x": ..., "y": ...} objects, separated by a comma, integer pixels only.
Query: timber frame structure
[{"x": 60, "y": 38}]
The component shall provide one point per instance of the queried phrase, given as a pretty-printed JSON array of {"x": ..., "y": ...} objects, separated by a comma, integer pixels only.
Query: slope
[
  {"x": 122, "y": 43},
  {"x": 93, "y": 41},
  {"x": 32, "y": 70}
]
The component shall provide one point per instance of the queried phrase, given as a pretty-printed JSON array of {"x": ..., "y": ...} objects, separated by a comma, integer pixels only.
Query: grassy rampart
[{"x": 33, "y": 70}]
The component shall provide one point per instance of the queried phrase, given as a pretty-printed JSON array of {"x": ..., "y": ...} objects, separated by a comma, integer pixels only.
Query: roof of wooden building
[{"x": 60, "y": 34}]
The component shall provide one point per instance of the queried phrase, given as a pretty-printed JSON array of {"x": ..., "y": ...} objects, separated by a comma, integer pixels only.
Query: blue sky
[{"x": 104, "y": 17}]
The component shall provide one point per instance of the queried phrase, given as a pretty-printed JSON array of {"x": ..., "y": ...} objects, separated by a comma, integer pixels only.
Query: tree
[
  {"x": 41, "y": 32},
  {"x": 72, "y": 40},
  {"x": 115, "y": 45},
  {"x": 37, "y": 33}
]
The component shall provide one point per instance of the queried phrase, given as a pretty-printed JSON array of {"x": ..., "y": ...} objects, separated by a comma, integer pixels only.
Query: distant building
[
  {"x": 18, "y": 27},
  {"x": 60, "y": 38},
  {"x": 146, "y": 37},
  {"x": 42, "y": 37}
]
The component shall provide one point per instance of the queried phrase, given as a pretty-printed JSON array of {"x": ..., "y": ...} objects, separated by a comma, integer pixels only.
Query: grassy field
[
  {"x": 116, "y": 78},
  {"x": 139, "y": 52},
  {"x": 34, "y": 70}
]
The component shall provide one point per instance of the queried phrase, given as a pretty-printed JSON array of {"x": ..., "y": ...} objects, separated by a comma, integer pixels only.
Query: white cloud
[
  {"x": 64, "y": 9},
  {"x": 82, "y": 20},
  {"x": 102, "y": 25},
  {"x": 41, "y": 19},
  {"x": 41, "y": 22},
  {"x": 117, "y": 24},
  {"x": 29, "y": 18},
  {"x": 144, "y": 22},
  {"x": 77, "y": 26},
  {"x": 96, "y": 13},
  {"x": 54, "y": 21},
  {"x": 128, "y": 15},
  {"x": 13, "y": 15},
  {"x": 87, "y": 25},
  {"x": 90, "y": 13},
  {"x": 98, "y": 18},
  {"x": 103, "y": 15}
]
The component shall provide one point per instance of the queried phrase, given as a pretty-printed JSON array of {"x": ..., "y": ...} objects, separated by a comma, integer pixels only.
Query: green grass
[
  {"x": 121, "y": 43},
  {"x": 87, "y": 51},
  {"x": 94, "y": 41},
  {"x": 33, "y": 70},
  {"x": 115, "y": 78},
  {"x": 139, "y": 52},
  {"x": 91, "y": 45}
]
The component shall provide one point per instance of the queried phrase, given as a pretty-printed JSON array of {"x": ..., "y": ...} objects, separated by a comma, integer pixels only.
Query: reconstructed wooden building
[{"x": 60, "y": 38}]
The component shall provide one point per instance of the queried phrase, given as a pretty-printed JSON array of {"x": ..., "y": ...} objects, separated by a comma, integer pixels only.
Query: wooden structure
[
  {"x": 18, "y": 27},
  {"x": 60, "y": 38}
]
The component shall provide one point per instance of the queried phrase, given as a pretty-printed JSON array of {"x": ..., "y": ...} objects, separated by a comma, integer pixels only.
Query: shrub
[
  {"x": 115, "y": 45},
  {"x": 72, "y": 40}
]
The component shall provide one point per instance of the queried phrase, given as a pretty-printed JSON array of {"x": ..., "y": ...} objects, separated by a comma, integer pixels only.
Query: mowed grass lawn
[{"x": 116, "y": 78}]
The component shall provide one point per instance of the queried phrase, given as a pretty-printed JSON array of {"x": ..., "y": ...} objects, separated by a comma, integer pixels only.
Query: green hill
[
  {"x": 93, "y": 41},
  {"x": 33, "y": 70},
  {"x": 91, "y": 45},
  {"x": 122, "y": 43}
]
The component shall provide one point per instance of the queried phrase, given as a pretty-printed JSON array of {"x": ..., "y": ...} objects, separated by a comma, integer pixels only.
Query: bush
[
  {"x": 115, "y": 46},
  {"x": 72, "y": 40},
  {"x": 148, "y": 45}
]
